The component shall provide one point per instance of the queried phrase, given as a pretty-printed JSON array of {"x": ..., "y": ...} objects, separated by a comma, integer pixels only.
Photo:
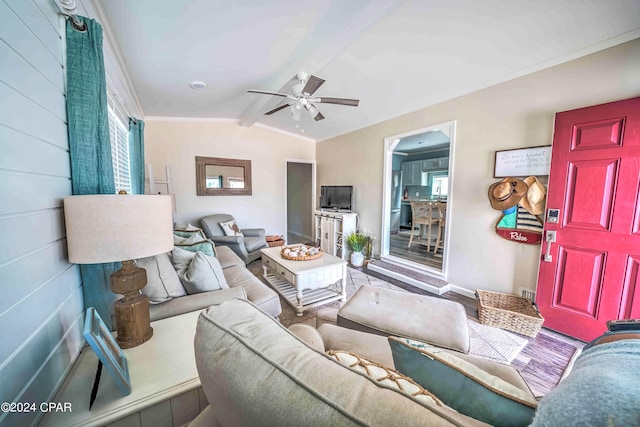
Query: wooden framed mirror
[{"x": 216, "y": 176}]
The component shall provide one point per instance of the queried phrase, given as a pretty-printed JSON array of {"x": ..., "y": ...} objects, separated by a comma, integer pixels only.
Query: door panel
[
  {"x": 636, "y": 215},
  {"x": 590, "y": 194},
  {"x": 631, "y": 297},
  {"x": 597, "y": 134},
  {"x": 580, "y": 283},
  {"x": 594, "y": 180}
]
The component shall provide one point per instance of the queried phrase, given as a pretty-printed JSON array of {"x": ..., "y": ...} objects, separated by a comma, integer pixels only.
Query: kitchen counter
[
  {"x": 405, "y": 212},
  {"x": 407, "y": 201}
]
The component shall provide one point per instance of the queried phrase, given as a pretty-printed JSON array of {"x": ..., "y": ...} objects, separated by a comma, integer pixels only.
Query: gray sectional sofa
[
  {"x": 294, "y": 381},
  {"x": 242, "y": 284}
]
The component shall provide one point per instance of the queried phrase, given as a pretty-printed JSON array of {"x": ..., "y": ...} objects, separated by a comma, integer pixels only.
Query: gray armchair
[{"x": 247, "y": 247}]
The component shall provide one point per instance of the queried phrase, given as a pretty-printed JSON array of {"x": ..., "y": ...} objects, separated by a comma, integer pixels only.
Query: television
[{"x": 336, "y": 197}]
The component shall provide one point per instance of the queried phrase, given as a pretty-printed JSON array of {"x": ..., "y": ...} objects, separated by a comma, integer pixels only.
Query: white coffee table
[{"x": 305, "y": 284}]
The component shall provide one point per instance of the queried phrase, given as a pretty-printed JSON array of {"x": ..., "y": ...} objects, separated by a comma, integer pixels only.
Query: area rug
[
  {"x": 542, "y": 361},
  {"x": 494, "y": 344}
]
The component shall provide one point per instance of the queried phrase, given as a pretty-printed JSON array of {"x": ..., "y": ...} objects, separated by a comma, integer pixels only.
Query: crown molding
[
  {"x": 531, "y": 69},
  {"x": 570, "y": 56},
  {"x": 188, "y": 119},
  {"x": 119, "y": 82}
]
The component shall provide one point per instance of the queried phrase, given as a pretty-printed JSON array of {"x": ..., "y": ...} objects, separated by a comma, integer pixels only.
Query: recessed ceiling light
[{"x": 197, "y": 84}]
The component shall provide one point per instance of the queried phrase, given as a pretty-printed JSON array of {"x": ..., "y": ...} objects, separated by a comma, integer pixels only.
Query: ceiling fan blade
[
  {"x": 313, "y": 112},
  {"x": 275, "y": 110},
  {"x": 339, "y": 101},
  {"x": 266, "y": 92},
  {"x": 312, "y": 85}
]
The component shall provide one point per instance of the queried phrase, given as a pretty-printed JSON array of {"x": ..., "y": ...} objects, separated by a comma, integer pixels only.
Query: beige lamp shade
[{"x": 109, "y": 228}]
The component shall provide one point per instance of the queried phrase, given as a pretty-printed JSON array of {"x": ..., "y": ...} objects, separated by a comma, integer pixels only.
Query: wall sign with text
[{"x": 523, "y": 162}]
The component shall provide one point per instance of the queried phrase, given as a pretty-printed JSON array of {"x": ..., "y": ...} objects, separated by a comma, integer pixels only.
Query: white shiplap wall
[{"x": 41, "y": 309}]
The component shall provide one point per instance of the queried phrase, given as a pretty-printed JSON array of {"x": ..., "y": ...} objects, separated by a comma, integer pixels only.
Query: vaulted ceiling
[{"x": 394, "y": 56}]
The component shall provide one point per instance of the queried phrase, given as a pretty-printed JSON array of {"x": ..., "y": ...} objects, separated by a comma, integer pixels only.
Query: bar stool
[
  {"x": 423, "y": 213},
  {"x": 442, "y": 213}
]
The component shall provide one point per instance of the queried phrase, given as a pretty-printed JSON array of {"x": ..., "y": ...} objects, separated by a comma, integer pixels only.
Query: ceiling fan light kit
[
  {"x": 299, "y": 97},
  {"x": 295, "y": 111}
]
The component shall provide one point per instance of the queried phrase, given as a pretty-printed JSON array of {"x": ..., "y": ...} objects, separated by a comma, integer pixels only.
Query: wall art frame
[
  {"x": 107, "y": 350},
  {"x": 523, "y": 162}
]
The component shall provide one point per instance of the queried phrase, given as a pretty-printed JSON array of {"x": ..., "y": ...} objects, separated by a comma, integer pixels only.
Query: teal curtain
[
  {"x": 136, "y": 155},
  {"x": 89, "y": 145}
]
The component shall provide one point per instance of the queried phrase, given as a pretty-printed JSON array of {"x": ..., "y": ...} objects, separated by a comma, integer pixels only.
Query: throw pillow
[
  {"x": 462, "y": 385},
  {"x": 198, "y": 272},
  {"x": 163, "y": 283},
  {"x": 189, "y": 231},
  {"x": 207, "y": 247},
  {"x": 194, "y": 238},
  {"x": 386, "y": 376},
  {"x": 230, "y": 228}
]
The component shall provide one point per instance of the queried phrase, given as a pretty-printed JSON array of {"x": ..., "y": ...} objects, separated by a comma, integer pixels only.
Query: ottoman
[{"x": 381, "y": 311}]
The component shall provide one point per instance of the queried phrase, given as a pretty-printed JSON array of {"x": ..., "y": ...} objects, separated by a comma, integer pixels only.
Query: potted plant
[{"x": 357, "y": 242}]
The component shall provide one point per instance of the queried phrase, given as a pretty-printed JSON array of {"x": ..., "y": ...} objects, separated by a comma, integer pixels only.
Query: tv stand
[
  {"x": 336, "y": 210},
  {"x": 332, "y": 227}
]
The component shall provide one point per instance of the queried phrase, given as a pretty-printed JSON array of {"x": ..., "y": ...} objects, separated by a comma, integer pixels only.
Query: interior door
[
  {"x": 590, "y": 273},
  {"x": 299, "y": 219}
]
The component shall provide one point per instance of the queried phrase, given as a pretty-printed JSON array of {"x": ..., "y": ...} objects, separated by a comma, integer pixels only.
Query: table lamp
[{"x": 121, "y": 228}]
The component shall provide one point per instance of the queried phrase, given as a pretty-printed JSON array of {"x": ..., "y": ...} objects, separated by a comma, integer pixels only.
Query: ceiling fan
[{"x": 300, "y": 97}]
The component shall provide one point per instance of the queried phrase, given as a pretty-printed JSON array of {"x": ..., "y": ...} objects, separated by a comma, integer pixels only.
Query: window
[
  {"x": 119, "y": 136},
  {"x": 214, "y": 182},
  {"x": 439, "y": 184},
  {"x": 236, "y": 182}
]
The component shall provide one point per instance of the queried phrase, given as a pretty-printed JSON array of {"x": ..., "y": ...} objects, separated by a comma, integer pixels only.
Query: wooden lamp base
[{"x": 133, "y": 324}]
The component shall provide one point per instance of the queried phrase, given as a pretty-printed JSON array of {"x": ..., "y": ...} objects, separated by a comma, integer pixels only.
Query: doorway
[
  {"x": 300, "y": 201},
  {"x": 589, "y": 267},
  {"x": 418, "y": 179}
]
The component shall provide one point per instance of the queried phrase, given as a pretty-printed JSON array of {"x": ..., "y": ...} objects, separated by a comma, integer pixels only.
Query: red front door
[{"x": 593, "y": 273}]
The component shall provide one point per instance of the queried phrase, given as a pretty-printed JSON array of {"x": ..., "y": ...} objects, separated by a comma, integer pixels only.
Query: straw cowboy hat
[
  {"x": 506, "y": 193},
  {"x": 535, "y": 197}
]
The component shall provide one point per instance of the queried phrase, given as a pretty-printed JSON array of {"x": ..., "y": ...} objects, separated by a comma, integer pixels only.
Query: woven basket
[
  {"x": 299, "y": 258},
  {"x": 509, "y": 312},
  {"x": 274, "y": 241}
]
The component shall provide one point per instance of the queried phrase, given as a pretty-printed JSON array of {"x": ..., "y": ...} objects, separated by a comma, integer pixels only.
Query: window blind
[{"x": 118, "y": 135}]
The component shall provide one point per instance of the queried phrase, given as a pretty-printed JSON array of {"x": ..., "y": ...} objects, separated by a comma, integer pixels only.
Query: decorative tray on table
[{"x": 300, "y": 252}]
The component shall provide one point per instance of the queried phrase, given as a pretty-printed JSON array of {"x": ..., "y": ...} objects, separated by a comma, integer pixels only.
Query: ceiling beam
[{"x": 317, "y": 59}]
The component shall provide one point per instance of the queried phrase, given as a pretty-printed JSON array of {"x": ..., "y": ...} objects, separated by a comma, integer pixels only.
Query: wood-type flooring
[
  {"x": 541, "y": 363},
  {"x": 418, "y": 252}
]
